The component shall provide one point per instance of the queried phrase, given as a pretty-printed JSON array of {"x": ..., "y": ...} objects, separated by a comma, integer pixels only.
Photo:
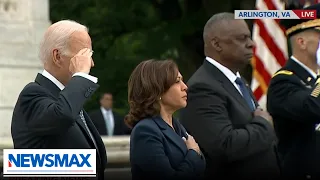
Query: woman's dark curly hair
[{"x": 147, "y": 83}]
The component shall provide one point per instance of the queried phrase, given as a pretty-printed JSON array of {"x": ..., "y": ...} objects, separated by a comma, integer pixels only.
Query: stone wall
[{"x": 22, "y": 25}]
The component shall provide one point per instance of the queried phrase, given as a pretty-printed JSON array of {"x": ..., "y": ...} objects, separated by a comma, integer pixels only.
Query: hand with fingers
[
  {"x": 265, "y": 114},
  {"x": 82, "y": 61},
  {"x": 191, "y": 143}
]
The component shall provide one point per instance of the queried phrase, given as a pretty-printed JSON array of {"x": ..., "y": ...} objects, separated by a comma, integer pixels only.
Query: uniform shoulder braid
[
  {"x": 283, "y": 72},
  {"x": 316, "y": 90}
]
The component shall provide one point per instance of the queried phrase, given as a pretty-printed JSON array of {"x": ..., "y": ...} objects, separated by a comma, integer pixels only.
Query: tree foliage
[{"x": 125, "y": 32}]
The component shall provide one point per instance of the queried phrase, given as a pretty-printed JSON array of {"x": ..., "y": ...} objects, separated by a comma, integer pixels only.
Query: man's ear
[
  {"x": 302, "y": 43},
  {"x": 56, "y": 57},
  {"x": 215, "y": 44}
]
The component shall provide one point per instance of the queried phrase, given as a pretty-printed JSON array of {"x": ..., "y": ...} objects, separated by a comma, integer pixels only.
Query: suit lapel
[
  {"x": 225, "y": 82},
  {"x": 100, "y": 145},
  {"x": 116, "y": 123},
  {"x": 253, "y": 97},
  {"x": 84, "y": 130},
  {"x": 170, "y": 133},
  {"x": 235, "y": 93},
  {"x": 49, "y": 85},
  {"x": 93, "y": 130},
  {"x": 102, "y": 122}
]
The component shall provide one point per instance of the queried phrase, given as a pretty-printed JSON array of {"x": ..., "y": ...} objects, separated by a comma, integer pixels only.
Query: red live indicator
[{"x": 306, "y": 14}]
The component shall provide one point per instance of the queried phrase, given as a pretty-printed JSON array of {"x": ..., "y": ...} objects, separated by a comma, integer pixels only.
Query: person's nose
[
  {"x": 250, "y": 44},
  {"x": 184, "y": 86}
]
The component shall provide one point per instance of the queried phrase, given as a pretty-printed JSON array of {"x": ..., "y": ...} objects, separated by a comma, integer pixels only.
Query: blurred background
[{"x": 124, "y": 33}]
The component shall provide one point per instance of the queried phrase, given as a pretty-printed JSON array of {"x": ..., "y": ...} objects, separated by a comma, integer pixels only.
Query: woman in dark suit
[{"x": 160, "y": 147}]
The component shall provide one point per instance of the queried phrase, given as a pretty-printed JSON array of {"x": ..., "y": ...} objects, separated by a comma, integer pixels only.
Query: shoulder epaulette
[
  {"x": 284, "y": 72},
  {"x": 316, "y": 91}
]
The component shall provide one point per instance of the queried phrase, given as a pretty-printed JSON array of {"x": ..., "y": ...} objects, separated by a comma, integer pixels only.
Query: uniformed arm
[
  {"x": 290, "y": 97},
  {"x": 46, "y": 115},
  {"x": 148, "y": 153},
  {"x": 216, "y": 134}
]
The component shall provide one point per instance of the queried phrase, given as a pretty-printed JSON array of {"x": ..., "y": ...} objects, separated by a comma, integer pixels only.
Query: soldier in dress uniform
[{"x": 293, "y": 100}]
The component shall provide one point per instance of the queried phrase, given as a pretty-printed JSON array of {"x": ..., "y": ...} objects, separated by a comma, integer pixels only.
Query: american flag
[{"x": 270, "y": 52}]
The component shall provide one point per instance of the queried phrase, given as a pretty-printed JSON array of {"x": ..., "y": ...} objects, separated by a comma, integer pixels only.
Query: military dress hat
[{"x": 294, "y": 26}]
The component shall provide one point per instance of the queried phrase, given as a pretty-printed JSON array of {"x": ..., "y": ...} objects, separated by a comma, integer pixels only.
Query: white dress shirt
[
  {"x": 60, "y": 85},
  {"x": 109, "y": 120}
]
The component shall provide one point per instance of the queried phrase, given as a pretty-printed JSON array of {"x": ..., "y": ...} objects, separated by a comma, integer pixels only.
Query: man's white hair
[{"x": 57, "y": 37}]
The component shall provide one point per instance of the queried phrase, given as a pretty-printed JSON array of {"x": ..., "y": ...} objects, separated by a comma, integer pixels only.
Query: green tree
[{"x": 125, "y": 32}]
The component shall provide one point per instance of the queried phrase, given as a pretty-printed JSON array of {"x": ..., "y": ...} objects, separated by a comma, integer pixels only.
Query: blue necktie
[{"x": 245, "y": 93}]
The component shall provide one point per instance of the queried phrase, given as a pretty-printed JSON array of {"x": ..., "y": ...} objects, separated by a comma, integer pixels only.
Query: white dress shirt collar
[
  {"x": 60, "y": 85},
  {"x": 227, "y": 72},
  {"x": 104, "y": 110},
  {"x": 311, "y": 72},
  {"x": 53, "y": 79}
]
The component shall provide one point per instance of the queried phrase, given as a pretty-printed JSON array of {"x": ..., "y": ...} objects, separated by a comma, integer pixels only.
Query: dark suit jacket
[
  {"x": 296, "y": 112},
  {"x": 119, "y": 126},
  {"x": 46, "y": 118},
  {"x": 236, "y": 144},
  {"x": 158, "y": 152}
]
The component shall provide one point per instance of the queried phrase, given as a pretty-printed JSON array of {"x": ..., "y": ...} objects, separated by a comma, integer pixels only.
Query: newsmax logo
[{"x": 49, "y": 162}]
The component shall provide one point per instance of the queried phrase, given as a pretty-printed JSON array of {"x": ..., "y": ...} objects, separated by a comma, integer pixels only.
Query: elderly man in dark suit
[
  {"x": 294, "y": 102},
  {"x": 235, "y": 135},
  {"x": 49, "y": 112}
]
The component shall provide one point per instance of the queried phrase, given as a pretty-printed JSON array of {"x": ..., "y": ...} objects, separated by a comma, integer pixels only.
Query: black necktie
[{"x": 245, "y": 93}]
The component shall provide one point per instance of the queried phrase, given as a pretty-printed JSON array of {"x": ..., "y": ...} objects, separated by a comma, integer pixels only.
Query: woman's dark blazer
[{"x": 159, "y": 152}]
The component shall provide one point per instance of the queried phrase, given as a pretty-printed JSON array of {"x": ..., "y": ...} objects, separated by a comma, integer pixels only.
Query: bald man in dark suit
[{"x": 235, "y": 135}]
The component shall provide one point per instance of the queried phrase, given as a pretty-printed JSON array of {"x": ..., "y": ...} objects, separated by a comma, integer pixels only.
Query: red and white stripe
[{"x": 270, "y": 52}]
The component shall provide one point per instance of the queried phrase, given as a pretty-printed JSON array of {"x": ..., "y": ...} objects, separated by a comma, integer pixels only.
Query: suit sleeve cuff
[
  {"x": 87, "y": 76},
  {"x": 194, "y": 151}
]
